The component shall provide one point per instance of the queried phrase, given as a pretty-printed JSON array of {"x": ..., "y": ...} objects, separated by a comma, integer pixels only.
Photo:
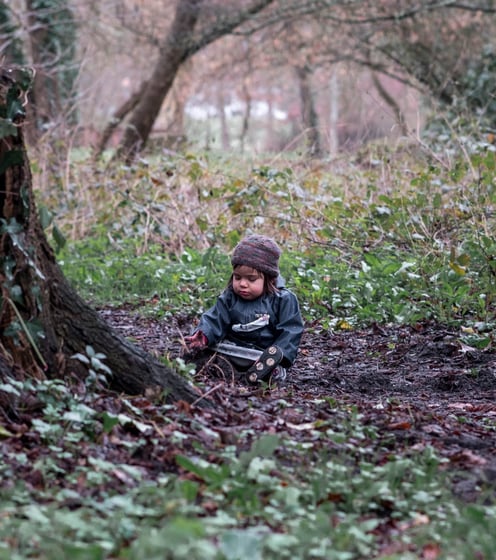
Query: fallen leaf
[
  {"x": 419, "y": 519},
  {"x": 468, "y": 457},
  {"x": 431, "y": 551},
  {"x": 403, "y": 425},
  {"x": 301, "y": 427},
  {"x": 434, "y": 429},
  {"x": 183, "y": 406},
  {"x": 4, "y": 433}
]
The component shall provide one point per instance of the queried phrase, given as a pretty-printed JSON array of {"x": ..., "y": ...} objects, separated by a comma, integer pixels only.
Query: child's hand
[{"x": 196, "y": 342}]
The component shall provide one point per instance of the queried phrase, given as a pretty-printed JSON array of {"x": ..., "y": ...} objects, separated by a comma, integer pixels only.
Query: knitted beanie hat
[{"x": 260, "y": 252}]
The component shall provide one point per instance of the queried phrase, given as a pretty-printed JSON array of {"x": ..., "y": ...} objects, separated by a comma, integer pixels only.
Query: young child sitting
[{"x": 256, "y": 322}]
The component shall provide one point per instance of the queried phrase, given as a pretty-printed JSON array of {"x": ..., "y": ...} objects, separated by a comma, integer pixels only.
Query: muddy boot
[{"x": 263, "y": 367}]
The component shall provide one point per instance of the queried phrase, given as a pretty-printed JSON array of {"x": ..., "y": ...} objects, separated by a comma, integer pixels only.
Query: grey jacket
[{"x": 269, "y": 319}]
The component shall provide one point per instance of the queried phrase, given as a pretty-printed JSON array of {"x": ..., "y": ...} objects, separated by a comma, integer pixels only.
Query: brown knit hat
[{"x": 260, "y": 252}]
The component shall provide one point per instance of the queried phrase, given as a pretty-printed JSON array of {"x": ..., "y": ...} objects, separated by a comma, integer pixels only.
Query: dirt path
[{"x": 419, "y": 386}]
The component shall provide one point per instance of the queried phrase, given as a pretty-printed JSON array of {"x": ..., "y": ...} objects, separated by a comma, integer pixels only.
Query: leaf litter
[
  {"x": 418, "y": 384},
  {"x": 416, "y": 387}
]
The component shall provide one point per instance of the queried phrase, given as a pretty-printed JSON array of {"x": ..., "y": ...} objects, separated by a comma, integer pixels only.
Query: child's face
[{"x": 248, "y": 283}]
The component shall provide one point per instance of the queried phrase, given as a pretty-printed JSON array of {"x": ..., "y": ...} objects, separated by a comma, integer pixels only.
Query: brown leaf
[
  {"x": 183, "y": 406},
  {"x": 431, "y": 551},
  {"x": 468, "y": 457},
  {"x": 402, "y": 425}
]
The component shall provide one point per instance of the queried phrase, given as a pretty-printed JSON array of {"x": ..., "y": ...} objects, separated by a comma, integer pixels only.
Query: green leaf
[
  {"x": 8, "y": 388},
  {"x": 36, "y": 513},
  {"x": 189, "y": 489},
  {"x": 15, "y": 108},
  {"x": 371, "y": 259},
  {"x": 181, "y": 530},
  {"x": 140, "y": 426},
  {"x": 258, "y": 466},
  {"x": 83, "y": 551},
  {"x": 7, "y": 128},
  {"x": 16, "y": 294},
  {"x": 4, "y": 433},
  {"x": 73, "y": 416},
  {"x": 262, "y": 447},
  {"x": 11, "y": 227},
  {"x": 81, "y": 357},
  {"x": 109, "y": 421},
  {"x": 209, "y": 473},
  {"x": 457, "y": 268},
  {"x": 277, "y": 542},
  {"x": 242, "y": 545},
  {"x": 391, "y": 268},
  {"x": 58, "y": 237},
  {"x": 46, "y": 217}
]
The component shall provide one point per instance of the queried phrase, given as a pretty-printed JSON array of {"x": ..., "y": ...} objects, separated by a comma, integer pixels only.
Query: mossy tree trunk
[{"x": 43, "y": 321}]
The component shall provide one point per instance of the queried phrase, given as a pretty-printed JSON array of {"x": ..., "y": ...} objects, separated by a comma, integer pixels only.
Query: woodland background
[
  {"x": 321, "y": 77},
  {"x": 361, "y": 135}
]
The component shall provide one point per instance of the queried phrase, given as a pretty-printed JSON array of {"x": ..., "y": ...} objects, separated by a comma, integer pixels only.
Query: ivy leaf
[
  {"x": 109, "y": 421},
  {"x": 11, "y": 227},
  {"x": 46, "y": 217},
  {"x": 7, "y": 128},
  {"x": 263, "y": 447},
  {"x": 58, "y": 237},
  {"x": 8, "y": 388},
  {"x": 81, "y": 357},
  {"x": 244, "y": 545}
]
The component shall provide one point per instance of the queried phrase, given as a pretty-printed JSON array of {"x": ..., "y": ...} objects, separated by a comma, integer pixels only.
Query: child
[{"x": 256, "y": 321}]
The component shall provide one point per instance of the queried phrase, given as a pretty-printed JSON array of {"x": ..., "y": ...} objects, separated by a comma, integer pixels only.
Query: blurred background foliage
[
  {"x": 361, "y": 135},
  {"x": 261, "y": 76}
]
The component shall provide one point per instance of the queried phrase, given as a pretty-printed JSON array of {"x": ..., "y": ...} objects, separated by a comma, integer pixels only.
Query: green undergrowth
[
  {"x": 88, "y": 484},
  {"x": 375, "y": 241},
  {"x": 384, "y": 285},
  {"x": 356, "y": 250}
]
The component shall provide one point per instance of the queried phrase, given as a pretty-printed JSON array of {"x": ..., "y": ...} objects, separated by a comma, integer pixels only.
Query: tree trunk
[
  {"x": 172, "y": 55},
  {"x": 11, "y": 46},
  {"x": 173, "y": 112},
  {"x": 43, "y": 321},
  {"x": 246, "y": 115},
  {"x": 334, "y": 114},
  {"x": 119, "y": 115},
  {"x": 393, "y": 104},
  {"x": 179, "y": 46},
  {"x": 246, "y": 97},
  {"x": 52, "y": 38},
  {"x": 221, "y": 109},
  {"x": 308, "y": 112}
]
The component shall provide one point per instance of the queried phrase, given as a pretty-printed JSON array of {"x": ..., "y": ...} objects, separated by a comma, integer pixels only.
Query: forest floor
[
  {"x": 417, "y": 386},
  {"x": 380, "y": 423}
]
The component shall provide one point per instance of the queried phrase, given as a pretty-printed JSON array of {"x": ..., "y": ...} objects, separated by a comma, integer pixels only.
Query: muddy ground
[{"x": 417, "y": 385}]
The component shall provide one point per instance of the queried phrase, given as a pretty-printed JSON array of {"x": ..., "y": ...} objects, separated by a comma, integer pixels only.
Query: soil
[{"x": 418, "y": 386}]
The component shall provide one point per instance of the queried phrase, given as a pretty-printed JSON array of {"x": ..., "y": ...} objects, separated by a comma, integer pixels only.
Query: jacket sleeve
[
  {"x": 214, "y": 323},
  {"x": 289, "y": 327}
]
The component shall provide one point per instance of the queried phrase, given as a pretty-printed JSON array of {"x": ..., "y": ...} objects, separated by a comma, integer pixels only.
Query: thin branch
[
  {"x": 227, "y": 25},
  {"x": 322, "y": 10},
  {"x": 410, "y": 13}
]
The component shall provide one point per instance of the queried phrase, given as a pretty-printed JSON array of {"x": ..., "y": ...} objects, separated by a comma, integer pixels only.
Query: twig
[
  {"x": 209, "y": 392},
  {"x": 28, "y": 334},
  {"x": 230, "y": 365},
  {"x": 206, "y": 364},
  {"x": 158, "y": 430}
]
